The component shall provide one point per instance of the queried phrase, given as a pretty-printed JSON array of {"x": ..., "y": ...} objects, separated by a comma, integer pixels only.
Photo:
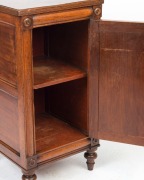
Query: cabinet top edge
[{"x": 31, "y": 7}]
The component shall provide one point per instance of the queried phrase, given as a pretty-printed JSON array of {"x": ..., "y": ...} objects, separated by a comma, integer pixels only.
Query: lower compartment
[
  {"x": 52, "y": 133},
  {"x": 61, "y": 119}
]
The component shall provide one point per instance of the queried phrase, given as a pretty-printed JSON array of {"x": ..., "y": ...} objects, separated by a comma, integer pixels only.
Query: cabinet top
[{"x": 29, "y": 7}]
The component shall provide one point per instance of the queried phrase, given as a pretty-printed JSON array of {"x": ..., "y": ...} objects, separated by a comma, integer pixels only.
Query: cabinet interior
[{"x": 60, "y": 64}]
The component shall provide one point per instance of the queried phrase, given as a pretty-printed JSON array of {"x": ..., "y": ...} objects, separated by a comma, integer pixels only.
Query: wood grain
[
  {"x": 93, "y": 78},
  {"x": 69, "y": 42},
  {"x": 9, "y": 130},
  {"x": 25, "y": 94},
  {"x": 69, "y": 102},
  {"x": 7, "y": 53},
  {"x": 30, "y": 85},
  {"x": 61, "y": 17},
  {"x": 52, "y": 133},
  {"x": 10, "y": 153},
  {"x": 63, "y": 152},
  {"x": 121, "y": 82},
  {"x": 48, "y": 72}
]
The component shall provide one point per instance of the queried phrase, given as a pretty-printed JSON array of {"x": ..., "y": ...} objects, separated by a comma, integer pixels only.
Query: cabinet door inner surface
[{"x": 121, "y": 82}]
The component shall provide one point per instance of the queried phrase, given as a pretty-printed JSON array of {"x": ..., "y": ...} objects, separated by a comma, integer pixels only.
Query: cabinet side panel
[
  {"x": 7, "y": 53},
  {"x": 9, "y": 126},
  {"x": 121, "y": 93}
]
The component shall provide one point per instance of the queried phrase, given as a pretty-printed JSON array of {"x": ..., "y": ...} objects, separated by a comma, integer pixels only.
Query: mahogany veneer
[
  {"x": 67, "y": 80},
  {"x": 52, "y": 133},
  {"x": 49, "y": 72},
  {"x": 47, "y": 68}
]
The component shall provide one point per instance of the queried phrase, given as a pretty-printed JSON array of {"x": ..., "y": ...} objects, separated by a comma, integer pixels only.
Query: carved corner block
[
  {"x": 97, "y": 12},
  {"x": 32, "y": 162},
  {"x": 27, "y": 23}
]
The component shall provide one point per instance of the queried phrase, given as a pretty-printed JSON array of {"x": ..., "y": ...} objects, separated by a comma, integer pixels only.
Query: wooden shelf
[
  {"x": 52, "y": 134},
  {"x": 50, "y": 71}
]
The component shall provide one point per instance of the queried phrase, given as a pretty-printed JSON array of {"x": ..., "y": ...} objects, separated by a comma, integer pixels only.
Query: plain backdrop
[
  {"x": 124, "y": 10},
  {"x": 115, "y": 161}
]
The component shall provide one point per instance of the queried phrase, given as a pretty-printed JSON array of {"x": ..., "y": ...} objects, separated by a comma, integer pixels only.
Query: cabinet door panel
[{"x": 121, "y": 82}]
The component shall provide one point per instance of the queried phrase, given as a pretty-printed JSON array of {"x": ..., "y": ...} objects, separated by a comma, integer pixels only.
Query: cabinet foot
[
  {"x": 91, "y": 155},
  {"x": 32, "y": 177},
  {"x": 29, "y": 175}
]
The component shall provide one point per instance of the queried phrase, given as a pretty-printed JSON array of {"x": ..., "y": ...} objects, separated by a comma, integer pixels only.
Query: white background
[
  {"x": 116, "y": 161},
  {"x": 125, "y": 10}
]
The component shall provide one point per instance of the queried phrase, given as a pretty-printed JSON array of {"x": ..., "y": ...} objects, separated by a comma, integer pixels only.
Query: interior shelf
[
  {"x": 52, "y": 133},
  {"x": 50, "y": 71}
]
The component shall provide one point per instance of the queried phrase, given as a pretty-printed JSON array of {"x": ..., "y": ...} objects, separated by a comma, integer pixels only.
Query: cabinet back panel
[
  {"x": 121, "y": 83},
  {"x": 38, "y": 41},
  {"x": 69, "y": 42},
  {"x": 66, "y": 42},
  {"x": 7, "y": 53},
  {"x": 68, "y": 101},
  {"x": 39, "y": 101},
  {"x": 9, "y": 125}
]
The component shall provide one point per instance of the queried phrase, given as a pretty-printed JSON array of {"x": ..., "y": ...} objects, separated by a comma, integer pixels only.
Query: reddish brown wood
[
  {"x": 9, "y": 88},
  {"x": 73, "y": 96},
  {"x": 29, "y": 175},
  {"x": 121, "y": 82},
  {"x": 91, "y": 155},
  {"x": 57, "y": 85},
  {"x": 51, "y": 71},
  {"x": 25, "y": 95},
  {"x": 62, "y": 152},
  {"x": 62, "y": 17},
  {"x": 7, "y": 53},
  {"x": 52, "y": 133},
  {"x": 9, "y": 129},
  {"x": 96, "y": 92},
  {"x": 69, "y": 42},
  {"x": 39, "y": 101},
  {"x": 38, "y": 36},
  {"x": 93, "y": 77}
]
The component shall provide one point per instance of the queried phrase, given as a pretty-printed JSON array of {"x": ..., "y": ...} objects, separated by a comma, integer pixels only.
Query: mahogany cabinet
[
  {"x": 48, "y": 55},
  {"x": 67, "y": 80}
]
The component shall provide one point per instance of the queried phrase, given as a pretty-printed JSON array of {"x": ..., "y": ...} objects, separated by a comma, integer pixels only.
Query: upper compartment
[{"x": 60, "y": 53}]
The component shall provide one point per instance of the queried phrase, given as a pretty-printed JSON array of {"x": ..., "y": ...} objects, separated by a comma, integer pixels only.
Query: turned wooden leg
[
  {"x": 91, "y": 155},
  {"x": 29, "y": 175}
]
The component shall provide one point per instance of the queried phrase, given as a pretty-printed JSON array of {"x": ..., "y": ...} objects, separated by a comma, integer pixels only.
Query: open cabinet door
[{"x": 121, "y": 82}]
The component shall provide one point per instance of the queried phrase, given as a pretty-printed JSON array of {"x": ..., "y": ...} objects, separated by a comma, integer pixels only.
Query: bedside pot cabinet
[
  {"x": 67, "y": 80},
  {"x": 48, "y": 56}
]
